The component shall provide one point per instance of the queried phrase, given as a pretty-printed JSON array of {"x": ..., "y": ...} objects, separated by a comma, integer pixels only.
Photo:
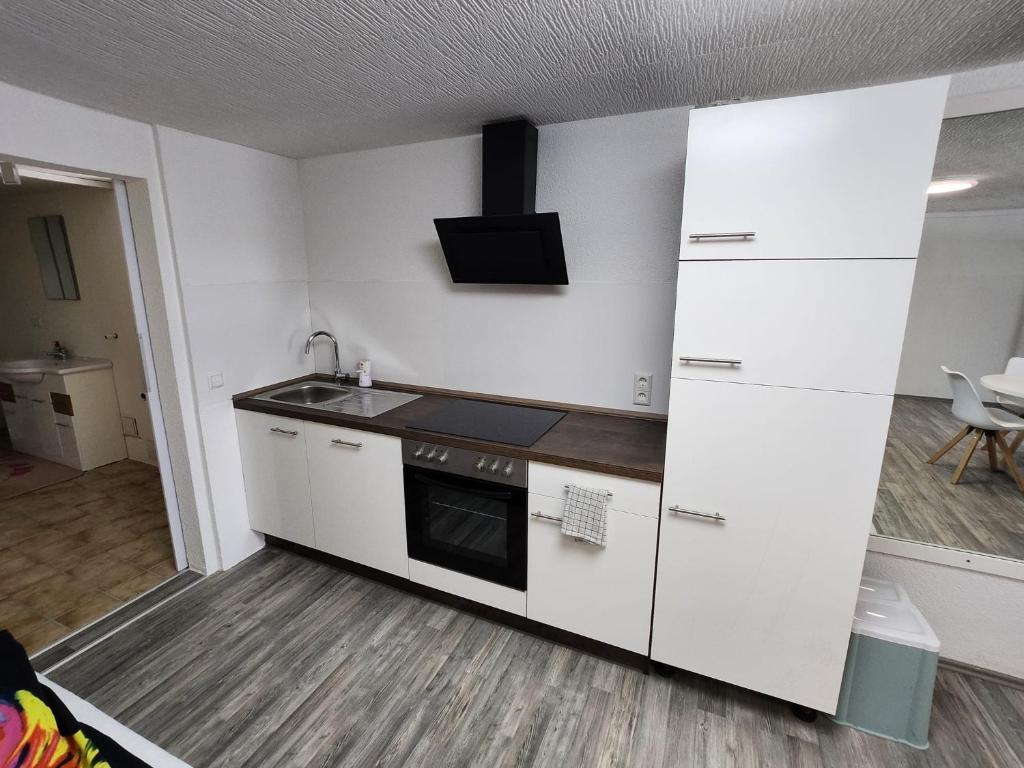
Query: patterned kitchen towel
[{"x": 586, "y": 514}]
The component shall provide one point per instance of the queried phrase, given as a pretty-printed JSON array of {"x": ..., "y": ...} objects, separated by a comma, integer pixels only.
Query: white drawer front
[
  {"x": 814, "y": 324},
  {"x": 832, "y": 175},
  {"x": 639, "y": 497},
  {"x": 764, "y": 599},
  {"x": 603, "y": 593},
  {"x": 469, "y": 587}
]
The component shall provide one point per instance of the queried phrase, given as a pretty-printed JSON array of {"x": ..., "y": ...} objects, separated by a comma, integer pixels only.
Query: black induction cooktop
[{"x": 494, "y": 422}]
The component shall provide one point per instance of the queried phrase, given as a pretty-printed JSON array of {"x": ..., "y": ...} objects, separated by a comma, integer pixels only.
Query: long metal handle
[
  {"x": 697, "y": 237},
  {"x": 542, "y": 516},
  {"x": 680, "y": 511},
  {"x": 346, "y": 442},
  {"x": 600, "y": 489},
  {"x": 711, "y": 360},
  {"x": 280, "y": 431}
]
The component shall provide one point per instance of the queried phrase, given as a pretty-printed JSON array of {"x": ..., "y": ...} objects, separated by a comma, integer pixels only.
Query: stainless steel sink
[
  {"x": 311, "y": 394},
  {"x": 354, "y": 401}
]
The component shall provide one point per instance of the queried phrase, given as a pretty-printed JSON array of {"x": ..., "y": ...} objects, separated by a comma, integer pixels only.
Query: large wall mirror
[{"x": 952, "y": 475}]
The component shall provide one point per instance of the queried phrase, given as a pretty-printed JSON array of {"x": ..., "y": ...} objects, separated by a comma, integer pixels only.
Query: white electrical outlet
[
  {"x": 643, "y": 384},
  {"x": 216, "y": 380}
]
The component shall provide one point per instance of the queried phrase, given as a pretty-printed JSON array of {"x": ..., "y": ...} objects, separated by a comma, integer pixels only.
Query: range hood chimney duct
[{"x": 509, "y": 168}]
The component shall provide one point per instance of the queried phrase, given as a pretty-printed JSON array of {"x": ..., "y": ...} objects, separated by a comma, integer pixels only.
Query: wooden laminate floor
[
  {"x": 75, "y": 551},
  {"x": 916, "y": 501},
  {"x": 286, "y": 661}
]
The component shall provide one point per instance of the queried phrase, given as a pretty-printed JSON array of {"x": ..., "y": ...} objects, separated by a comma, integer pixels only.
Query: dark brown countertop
[{"x": 615, "y": 442}]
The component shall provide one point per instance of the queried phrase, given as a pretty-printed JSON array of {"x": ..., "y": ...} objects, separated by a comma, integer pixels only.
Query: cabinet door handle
[
  {"x": 280, "y": 431},
  {"x": 711, "y": 360},
  {"x": 707, "y": 515},
  {"x": 697, "y": 237},
  {"x": 346, "y": 442},
  {"x": 542, "y": 516}
]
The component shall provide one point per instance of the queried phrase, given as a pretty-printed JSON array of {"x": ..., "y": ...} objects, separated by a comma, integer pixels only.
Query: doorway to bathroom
[{"x": 88, "y": 518}]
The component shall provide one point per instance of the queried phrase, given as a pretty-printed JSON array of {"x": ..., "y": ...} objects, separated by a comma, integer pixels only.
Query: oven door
[{"x": 468, "y": 525}]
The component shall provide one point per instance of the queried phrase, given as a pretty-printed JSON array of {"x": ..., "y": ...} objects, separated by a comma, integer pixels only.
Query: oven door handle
[{"x": 500, "y": 495}]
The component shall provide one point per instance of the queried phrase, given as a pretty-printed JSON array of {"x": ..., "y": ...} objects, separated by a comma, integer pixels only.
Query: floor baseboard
[{"x": 985, "y": 674}]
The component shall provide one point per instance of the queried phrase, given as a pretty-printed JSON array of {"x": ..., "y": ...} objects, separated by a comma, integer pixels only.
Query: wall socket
[{"x": 643, "y": 388}]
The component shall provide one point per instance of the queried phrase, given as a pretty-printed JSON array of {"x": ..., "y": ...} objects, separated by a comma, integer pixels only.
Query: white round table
[{"x": 1005, "y": 384}]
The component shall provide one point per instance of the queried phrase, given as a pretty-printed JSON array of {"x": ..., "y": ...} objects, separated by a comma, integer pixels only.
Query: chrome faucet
[
  {"x": 58, "y": 351},
  {"x": 338, "y": 378}
]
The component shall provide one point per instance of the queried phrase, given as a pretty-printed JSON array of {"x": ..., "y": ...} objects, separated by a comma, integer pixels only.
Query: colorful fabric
[{"x": 38, "y": 731}]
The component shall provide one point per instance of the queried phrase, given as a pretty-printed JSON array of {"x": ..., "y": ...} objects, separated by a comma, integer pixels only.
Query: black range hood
[{"x": 509, "y": 243}]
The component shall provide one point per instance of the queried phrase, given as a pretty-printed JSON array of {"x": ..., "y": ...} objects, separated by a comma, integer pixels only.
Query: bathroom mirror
[
  {"x": 57, "y": 270},
  {"x": 966, "y": 313}
]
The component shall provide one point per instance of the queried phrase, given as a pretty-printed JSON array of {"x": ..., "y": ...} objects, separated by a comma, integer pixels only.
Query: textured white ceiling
[
  {"x": 989, "y": 148},
  {"x": 309, "y": 77}
]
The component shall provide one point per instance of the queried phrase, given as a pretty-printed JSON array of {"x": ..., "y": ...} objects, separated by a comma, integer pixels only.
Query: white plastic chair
[{"x": 989, "y": 423}]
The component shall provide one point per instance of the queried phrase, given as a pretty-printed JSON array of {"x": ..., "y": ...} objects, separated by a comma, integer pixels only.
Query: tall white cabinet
[{"x": 791, "y": 308}]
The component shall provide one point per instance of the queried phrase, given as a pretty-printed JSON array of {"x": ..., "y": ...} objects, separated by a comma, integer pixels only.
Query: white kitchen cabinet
[
  {"x": 817, "y": 324},
  {"x": 826, "y": 176},
  {"x": 764, "y": 597},
  {"x": 276, "y": 477},
  {"x": 355, "y": 479},
  {"x": 603, "y": 593}
]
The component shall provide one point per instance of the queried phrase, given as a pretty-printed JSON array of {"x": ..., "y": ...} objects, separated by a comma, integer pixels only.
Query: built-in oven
[{"x": 466, "y": 511}]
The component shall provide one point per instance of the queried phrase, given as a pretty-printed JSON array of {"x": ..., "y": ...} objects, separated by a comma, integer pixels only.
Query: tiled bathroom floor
[{"x": 72, "y": 552}]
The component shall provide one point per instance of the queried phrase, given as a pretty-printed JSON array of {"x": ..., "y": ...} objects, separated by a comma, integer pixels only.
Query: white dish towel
[{"x": 586, "y": 514}]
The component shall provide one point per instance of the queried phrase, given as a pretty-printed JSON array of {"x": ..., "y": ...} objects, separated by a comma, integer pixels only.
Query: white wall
[
  {"x": 236, "y": 222},
  {"x": 976, "y": 616},
  {"x": 968, "y": 299},
  {"x": 30, "y": 323},
  {"x": 378, "y": 278}
]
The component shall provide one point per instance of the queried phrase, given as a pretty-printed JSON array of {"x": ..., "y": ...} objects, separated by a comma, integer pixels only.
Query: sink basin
[
  {"x": 31, "y": 370},
  {"x": 337, "y": 399},
  {"x": 312, "y": 394}
]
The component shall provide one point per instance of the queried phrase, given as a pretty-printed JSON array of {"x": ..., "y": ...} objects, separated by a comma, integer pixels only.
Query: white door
[
  {"x": 827, "y": 176},
  {"x": 764, "y": 597},
  {"x": 276, "y": 476},
  {"x": 358, "y": 496},
  {"x": 819, "y": 324},
  {"x": 599, "y": 592}
]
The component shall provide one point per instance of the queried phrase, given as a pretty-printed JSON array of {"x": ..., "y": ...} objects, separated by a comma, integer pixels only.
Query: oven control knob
[
  {"x": 432, "y": 454},
  {"x": 507, "y": 471},
  {"x": 418, "y": 452},
  {"x": 494, "y": 467},
  {"x": 443, "y": 458},
  {"x": 480, "y": 464}
]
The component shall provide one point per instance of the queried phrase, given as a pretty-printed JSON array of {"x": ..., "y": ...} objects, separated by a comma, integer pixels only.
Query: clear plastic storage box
[{"x": 890, "y": 669}]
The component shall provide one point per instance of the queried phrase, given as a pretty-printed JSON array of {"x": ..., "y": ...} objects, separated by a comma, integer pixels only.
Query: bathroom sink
[
  {"x": 31, "y": 370},
  {"x": 312, "y": 394}
]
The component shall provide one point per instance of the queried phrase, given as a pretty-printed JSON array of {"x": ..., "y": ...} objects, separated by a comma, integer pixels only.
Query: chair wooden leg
[
  {"x": 1017, "y": 441},
  {"x": 967, "y": 457},
  {"x": 1011, "y": 463},
  {"x": 990, "y": 446},
  {"x": 949, "y": 446}
]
